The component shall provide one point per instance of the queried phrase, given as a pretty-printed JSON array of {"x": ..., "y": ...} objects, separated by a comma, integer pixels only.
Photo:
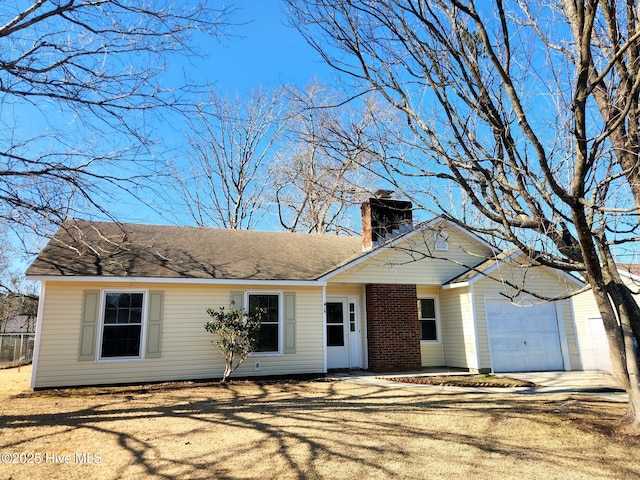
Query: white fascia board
[
  {"x": 483, "y": 274},
  {"x": 622, "y": 272},
  {"x": 629, "y": 275},
  {"x": 184, "y": 281},
  {"x": 572, "y": 278},
  {"x": 480, "y": 275},
  {"x": 450, "y": 286}
]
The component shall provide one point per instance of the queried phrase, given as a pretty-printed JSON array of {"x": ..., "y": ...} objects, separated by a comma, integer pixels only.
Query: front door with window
[{"x": 338, "y": 333}]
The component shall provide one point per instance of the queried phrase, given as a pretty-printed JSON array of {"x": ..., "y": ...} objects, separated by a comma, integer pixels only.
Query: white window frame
[
  {"x": 143, "y": 327},
  {"x": 437, "y": 319},
  {"x": 279, "y": 352}
]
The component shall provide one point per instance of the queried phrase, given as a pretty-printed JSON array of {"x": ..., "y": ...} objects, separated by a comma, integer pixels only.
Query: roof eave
[{"x": 188, "y": 281}]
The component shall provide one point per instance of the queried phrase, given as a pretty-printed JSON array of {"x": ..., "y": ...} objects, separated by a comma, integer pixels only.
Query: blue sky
[
  {"x": 264, "y": 51},
  {"x": 261, "y": 50}
]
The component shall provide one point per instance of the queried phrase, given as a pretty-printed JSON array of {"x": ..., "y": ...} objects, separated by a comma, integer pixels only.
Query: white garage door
[{"x": 523, "y": 338}]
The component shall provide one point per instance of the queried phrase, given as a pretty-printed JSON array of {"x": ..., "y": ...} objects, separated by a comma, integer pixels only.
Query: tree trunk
[
  {"x": 618, "y": 311},
  {"x": 228, "y": 367},
  {"x": 625, "y": 309}
]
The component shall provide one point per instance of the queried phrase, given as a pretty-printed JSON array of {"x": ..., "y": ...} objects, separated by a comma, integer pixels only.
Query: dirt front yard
[{"x": 306, "y": 430}]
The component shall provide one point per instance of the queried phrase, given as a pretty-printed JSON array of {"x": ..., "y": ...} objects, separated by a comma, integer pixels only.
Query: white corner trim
[
  {"x": 324, "y": 330},
  {"x": 474, "y": 321},
  {"x": 39, "y": 322}
]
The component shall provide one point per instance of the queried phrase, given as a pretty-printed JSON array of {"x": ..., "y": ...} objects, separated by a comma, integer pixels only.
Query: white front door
[
  {"x": 337, "y": 335},
  {"x": 354, "y": 334}
]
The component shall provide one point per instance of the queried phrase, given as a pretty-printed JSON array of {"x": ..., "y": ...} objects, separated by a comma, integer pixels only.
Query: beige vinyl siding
[
  {"x": 584, "y": 308},
  {"x": 409, "y": 261},
  {"x": 431, "y": 352},
  {"x": 345, "y": 290},
  {"x": 541, "y": 280},
  {"x": 187, "y": 351},
  {"x": 458, "y": 332}
]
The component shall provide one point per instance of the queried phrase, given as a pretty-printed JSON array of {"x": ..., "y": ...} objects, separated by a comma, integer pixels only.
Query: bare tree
[
  {"x": 18, "y": 300},
  {"x": 320, "y": 176},
  {"x": 80, "y": 92},
  {"x": 232, "y": 142},
  {"x": 527, "y": 111},
  {"x": 18, "y": 312}
]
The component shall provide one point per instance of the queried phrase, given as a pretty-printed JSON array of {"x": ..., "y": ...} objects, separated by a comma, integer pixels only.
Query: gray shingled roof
[{"x": 105, "y": 249}]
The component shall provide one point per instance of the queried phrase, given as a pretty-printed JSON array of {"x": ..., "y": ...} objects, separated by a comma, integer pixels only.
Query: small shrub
[{"x": 238, "y": 333}]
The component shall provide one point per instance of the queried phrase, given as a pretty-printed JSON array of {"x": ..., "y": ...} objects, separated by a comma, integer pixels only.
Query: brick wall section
[{"x": 393, "y": 328}]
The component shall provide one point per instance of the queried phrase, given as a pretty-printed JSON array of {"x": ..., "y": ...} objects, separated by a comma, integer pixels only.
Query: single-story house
[{"x": 125, "y": 303}]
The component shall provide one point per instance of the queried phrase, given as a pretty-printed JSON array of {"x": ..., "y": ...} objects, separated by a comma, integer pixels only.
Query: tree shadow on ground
[{"x": 319, "y": 429}]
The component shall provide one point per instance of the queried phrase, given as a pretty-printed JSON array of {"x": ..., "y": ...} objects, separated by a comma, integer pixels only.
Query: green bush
[{"x": 238, "y": 333}]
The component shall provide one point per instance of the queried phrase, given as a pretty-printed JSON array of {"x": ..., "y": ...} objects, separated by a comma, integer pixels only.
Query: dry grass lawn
[{"x": 308, "y": 430}]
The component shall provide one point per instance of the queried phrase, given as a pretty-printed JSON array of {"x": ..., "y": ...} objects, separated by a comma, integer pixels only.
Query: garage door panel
[
  {"x": 503, "y": 344},
  {"x": 523, "y": 338}
]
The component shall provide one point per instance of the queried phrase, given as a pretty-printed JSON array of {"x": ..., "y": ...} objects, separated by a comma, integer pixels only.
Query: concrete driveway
[
  {"x": 586, "y": 382},
  {"x": 591, "y": 381}
]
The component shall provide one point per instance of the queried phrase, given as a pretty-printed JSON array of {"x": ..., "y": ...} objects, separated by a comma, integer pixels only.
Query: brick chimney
[{"x": 384, "y": 218}]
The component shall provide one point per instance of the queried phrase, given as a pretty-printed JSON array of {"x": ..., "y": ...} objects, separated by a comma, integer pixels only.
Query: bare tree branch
[
  {"x": 322, "y": 174},
  {"x": 80, "y": 87},
  {"x": 527, "y": 111},
  {"x": 232, "y": 142}
]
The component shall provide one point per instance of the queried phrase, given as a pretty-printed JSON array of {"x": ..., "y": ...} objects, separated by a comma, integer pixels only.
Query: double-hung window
[
  {"x": 122, "y": 325},
  {"x": 270, "y": 324},
  {"x": 428, "y": 319}
]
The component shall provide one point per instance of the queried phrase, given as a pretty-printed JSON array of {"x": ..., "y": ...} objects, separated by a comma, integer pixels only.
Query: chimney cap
[{"x": 383, "y": 193}]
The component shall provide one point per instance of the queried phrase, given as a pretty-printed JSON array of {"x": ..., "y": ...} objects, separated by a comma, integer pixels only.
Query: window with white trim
[
  {"x": 270, "y": 323},
  {"x": 428, "y": 319},
  {"x": 123, "y": 316}
]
